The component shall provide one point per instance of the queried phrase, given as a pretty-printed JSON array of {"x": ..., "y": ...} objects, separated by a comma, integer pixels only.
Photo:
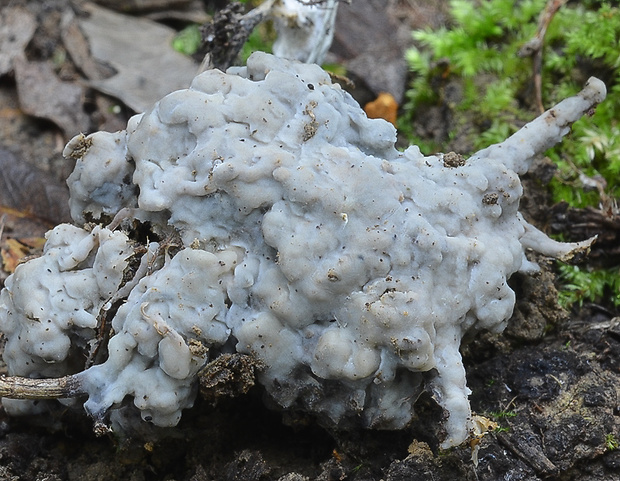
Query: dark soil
[{"x": 551, "y": 381}]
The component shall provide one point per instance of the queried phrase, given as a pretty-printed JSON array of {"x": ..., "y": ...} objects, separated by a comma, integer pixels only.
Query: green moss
[
  {"x": 260, "y": 40},
  {"x": 187, "y": 41},
  {"x": 580, "y": 284},
  {"x": 481, "y": 43},
  {"x": 479, "y": 51},
  {"x": 503, "y": 414}
]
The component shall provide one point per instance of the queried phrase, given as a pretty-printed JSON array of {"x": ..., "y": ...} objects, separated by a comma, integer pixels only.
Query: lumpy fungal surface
[{"x": 289, "y": 229}]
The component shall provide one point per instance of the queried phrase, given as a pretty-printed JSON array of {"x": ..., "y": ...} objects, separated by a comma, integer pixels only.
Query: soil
[{"x": 551, "y": 381}]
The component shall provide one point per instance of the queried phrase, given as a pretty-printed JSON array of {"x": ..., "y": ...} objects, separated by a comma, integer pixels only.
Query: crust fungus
[{"x": 349, "y": 270}]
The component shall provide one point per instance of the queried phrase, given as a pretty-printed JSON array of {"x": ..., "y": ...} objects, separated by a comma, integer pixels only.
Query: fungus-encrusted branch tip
[
  {"x": 595, "y": 90},
  {"x": 518, "y": 151},
  {"x": 563, "y": 251}
]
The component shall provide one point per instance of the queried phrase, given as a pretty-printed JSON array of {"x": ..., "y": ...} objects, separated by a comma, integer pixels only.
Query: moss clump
[{"x": 479, "y": 51}]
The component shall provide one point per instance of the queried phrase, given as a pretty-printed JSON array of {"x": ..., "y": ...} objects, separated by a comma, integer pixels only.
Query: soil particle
[
  {"x": 453, "y": 160},
  {"x": 247, "y": 466},
  {"x": 227, "y": 375},
  {"x": 561, "y": 403}
]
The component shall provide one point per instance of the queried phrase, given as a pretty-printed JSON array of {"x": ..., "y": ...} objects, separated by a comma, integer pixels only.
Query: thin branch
[
  {"x": 533, "y": 48},
  {"x": 316, "y": 3},
  {"x": 2, "y": 222},
  {"x": 16, "y": 387}
]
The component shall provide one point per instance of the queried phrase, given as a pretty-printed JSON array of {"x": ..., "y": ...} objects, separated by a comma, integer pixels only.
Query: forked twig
[{"x": 533, "y": 47}]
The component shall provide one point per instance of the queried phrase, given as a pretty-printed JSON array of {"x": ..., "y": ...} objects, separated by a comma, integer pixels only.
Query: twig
[
  {"x": 533, "y": 48},
  {"x": 529, "y": 451},
  {"x": 315, "y": 3},
  {"x": 2, "y": 221},
  {"x": 16, "y": 387},
  {"x": 150, "y": 254}
]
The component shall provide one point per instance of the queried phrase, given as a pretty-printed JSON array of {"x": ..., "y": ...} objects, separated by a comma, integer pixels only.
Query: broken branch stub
[{"x": 15, "y": 387}]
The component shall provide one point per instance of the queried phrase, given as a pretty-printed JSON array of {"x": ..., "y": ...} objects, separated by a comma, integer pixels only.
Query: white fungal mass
[{"x": 350, "y": 269}]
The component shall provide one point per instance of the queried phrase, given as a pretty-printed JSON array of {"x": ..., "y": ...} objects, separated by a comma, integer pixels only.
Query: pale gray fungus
[
  {"x": 349, "y": 269},
  {"x": 305, "y": 29}
]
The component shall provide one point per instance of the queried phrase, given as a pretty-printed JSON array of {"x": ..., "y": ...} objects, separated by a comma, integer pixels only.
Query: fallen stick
[{"x": 16, "y": 387}]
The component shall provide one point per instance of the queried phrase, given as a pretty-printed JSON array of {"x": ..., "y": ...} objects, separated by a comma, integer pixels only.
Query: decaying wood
[
  {"x": 576, "y": 223},
  {"x": 223, "y": 38},
  {"x": 530, "y": 452},
  {"x": 228, "y": 375}
]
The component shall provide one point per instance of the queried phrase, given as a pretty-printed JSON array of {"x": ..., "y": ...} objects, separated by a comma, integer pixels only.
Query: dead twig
[
  {"x": 2, "y": 223},
  {"x": 16, "y": 387},
  {"x": 315, "y": 3},
  {"x": 527, "y": 448},
  {"x": 533, "y": 47}
]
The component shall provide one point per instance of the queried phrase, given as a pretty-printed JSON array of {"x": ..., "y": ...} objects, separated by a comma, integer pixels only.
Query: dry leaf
[
  {"x": 383, "y": 107},
  {"x": 43, "y": 95},
  {"x": 23, "y": 226},
  {"x": 34, "y": 243},
  {"x": 370, "y": 41},
  {"x": 481, "y": 426},
  {"x": 17, "y": 26},
  {"x": 29, "y": 190},
  {"x": 140, "y": 51},
  {"x": 12, "y": 252},
  {"x": 78, "y": 48}
]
